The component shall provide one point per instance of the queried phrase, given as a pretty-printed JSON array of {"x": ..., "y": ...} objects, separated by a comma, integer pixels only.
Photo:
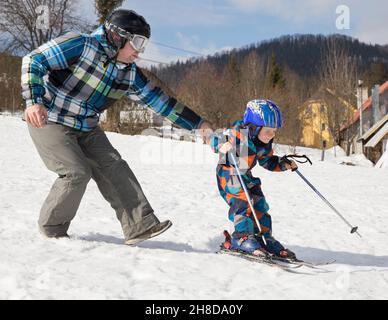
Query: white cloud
[
  {"x": 188, "y": 43},
  {"x": 158, "y": 54},
  {"x": 371, "y": 27},
  {"x": 193, "y": 43},
  {"x": 185, "y": 13},
  {"x": 295, "y": 11},
  {"x": 368, "y": 19},
  {"x": 179, "y": 13}
]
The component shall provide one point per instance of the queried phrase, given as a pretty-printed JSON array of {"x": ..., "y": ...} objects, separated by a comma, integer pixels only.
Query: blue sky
[{"x": 208, "y": 26}]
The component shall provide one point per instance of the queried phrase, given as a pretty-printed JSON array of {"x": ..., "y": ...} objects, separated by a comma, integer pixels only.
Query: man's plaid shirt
[{"x": 76, "y": 77}]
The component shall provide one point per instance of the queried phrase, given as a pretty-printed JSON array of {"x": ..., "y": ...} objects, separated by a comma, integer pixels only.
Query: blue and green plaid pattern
[{"x": 75, "y": 77}]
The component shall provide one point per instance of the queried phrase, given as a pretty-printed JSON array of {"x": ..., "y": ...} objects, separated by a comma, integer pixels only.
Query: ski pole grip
[
  {"x": 293, "y": 156},
  {"x": 288, "y": 161}
]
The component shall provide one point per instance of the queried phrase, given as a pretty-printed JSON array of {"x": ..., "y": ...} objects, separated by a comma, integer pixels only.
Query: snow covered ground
[{"x": 179, "y": 180}]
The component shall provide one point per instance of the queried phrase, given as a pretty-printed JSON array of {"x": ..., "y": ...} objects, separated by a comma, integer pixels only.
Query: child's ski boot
[
  {"x": 276, "y": 248},
  {"x": 243, "y": 242}
]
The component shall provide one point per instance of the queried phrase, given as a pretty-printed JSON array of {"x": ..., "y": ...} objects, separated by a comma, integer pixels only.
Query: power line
[
  {"x": 154, "y": 61},
  {"x": 171, "y": 47},
  {"x": 176, "y": 48}
]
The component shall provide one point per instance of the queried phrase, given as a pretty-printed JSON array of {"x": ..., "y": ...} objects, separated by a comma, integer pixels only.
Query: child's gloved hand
[
  {"x": 292, "y": 165},
  {"x": 226, "y": 147}
]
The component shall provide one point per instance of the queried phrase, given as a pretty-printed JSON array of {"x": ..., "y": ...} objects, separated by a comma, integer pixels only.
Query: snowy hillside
[{"x": 179, "y": 180}]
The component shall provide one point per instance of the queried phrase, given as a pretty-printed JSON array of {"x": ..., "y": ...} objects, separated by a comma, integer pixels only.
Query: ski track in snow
[{"x": 181, "y": 264}]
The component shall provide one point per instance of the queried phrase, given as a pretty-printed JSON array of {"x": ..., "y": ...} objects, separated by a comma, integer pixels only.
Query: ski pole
[
  {"x": 353, "y": 229},
  {"x": 247, "y": 194}
]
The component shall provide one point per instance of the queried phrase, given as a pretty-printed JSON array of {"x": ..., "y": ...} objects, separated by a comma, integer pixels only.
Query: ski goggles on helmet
[{"x": 137, "y": 41}]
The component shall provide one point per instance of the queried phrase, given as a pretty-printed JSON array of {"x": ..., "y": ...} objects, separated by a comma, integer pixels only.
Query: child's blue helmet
[{"x": 263, "y": 113}]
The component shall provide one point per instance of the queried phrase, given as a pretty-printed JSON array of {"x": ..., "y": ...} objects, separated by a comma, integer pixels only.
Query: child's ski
[
  {"x": 313, "y": 265},
  {"x": 265, "y": 259},
  {"x": 269, "y": 259}
]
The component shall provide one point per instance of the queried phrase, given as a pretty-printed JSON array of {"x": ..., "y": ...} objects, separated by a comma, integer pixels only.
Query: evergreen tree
[
  {"x": 275, "y": 74},
  {"x": 377, "y": 74},
  {"x": 105, "y": 7}
]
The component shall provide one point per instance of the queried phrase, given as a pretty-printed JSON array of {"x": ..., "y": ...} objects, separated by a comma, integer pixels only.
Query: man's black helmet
[{"x": 122, "y": 21}]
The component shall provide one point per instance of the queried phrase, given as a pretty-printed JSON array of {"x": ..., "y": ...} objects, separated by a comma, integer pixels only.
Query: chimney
[
  {"x": 376, "y": 104},
  {"x": 362, "y": 94}
]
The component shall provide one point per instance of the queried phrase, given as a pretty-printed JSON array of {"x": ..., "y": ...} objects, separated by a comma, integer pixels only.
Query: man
[{"x": 67, "y": 83}]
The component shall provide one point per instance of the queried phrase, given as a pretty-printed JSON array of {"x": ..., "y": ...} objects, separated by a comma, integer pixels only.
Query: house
[
  {"x": 367, "y": 131},
  {"x": 315, "y": 129}
]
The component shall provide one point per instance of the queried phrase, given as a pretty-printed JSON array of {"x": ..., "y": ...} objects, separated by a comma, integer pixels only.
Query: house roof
[
  {"x": 375, "y": 128},
  {"x": 367, "y": 104},
  {"x": 378, "y": 136}
]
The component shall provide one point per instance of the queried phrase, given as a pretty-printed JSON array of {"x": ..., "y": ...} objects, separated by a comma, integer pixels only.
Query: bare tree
[
  {"x": 134, "y": 118},
  {"x": 291, "y": 98},
  {"x": 10, "y": 98},
  {"x": 202, "y": 89},
  {"x": 339, "y": 78},
  {"x": 252, "y": 77},
  {"x": 27, "y": 24},
  {"x": 231, "y": 98},
  {"x": 133, "y": 125}
]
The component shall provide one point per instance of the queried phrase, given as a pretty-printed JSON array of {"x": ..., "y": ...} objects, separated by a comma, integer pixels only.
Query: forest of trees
[
  {"x": 288, "y": 70},
  {"x": 302, "y": 53}
]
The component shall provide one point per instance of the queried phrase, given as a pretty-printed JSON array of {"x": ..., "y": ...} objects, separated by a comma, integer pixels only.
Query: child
[{"x": 251, "y": 142}]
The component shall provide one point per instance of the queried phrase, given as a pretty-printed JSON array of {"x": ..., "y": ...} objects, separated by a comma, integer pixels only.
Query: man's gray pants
[{"x": 76, "y": 157}]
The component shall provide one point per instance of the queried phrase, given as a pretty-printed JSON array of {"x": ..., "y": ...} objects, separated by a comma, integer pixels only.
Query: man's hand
[
  {"x": 226, "y": 147},
  {"x": 206, "y": 131},
  {"x": 292, "y": 165},
  {"x": 36, "y": 115}
]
